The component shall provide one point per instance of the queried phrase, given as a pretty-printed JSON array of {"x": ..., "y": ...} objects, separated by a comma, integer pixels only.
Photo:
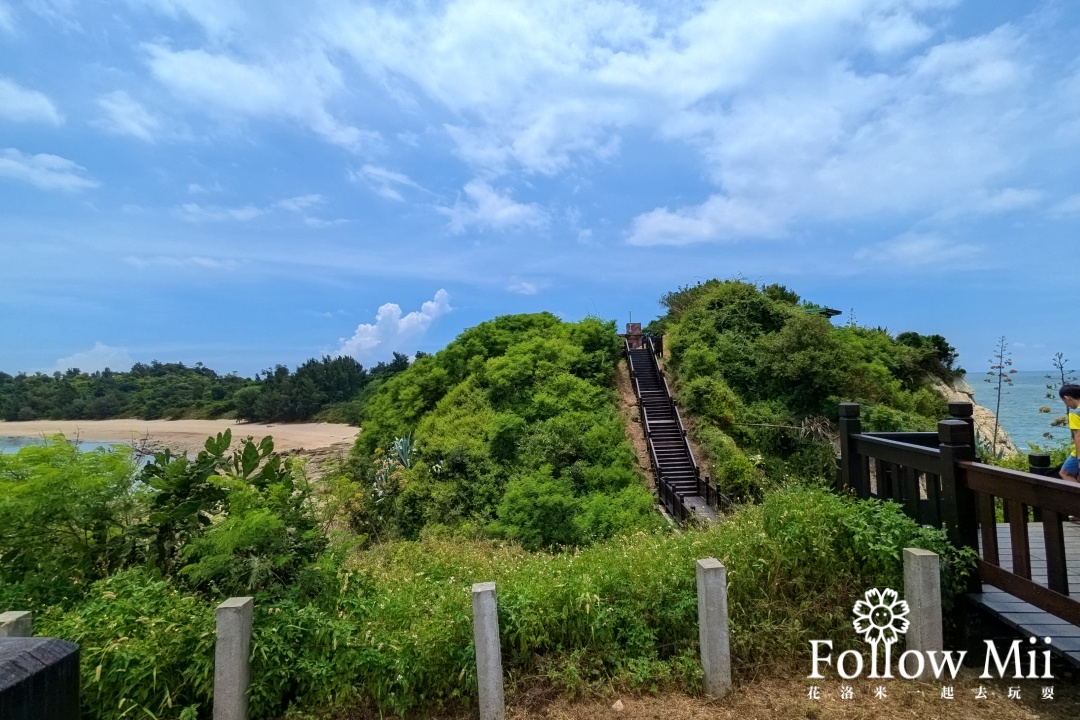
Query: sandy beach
[{"x": 185, "y": 435}]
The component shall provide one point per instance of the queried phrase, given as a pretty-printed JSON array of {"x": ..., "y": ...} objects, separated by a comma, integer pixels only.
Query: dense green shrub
[
  {"x": 65, "y": 519},
  {"x": 767, "y": 371},
  {"x": 392, "y": 626},
  {"x": 516, "y": 430}
]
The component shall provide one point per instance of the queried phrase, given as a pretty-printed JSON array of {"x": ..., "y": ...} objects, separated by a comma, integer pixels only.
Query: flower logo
[{"x": 881, "y": 617}]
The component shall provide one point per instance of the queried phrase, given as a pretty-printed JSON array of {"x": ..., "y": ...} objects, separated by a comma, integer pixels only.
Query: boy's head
[{"x": 1070, "y": 394}]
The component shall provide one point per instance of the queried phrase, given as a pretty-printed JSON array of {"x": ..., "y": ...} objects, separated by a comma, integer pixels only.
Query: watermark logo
[{"x": 881, "y": 618}]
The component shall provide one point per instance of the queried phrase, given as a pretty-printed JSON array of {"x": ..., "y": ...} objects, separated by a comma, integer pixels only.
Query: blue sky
[{"x": 251, "y": 183}]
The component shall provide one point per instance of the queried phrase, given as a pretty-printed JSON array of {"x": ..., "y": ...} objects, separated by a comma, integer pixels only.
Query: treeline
[{"x": 327, "y": 389}]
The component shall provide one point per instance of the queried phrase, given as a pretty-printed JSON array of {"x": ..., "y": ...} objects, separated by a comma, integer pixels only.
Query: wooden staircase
[{"x": 682, "y": 489}]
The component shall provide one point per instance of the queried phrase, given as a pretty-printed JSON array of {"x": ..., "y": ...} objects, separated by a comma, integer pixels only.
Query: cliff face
[{"x": 959, "y": 391}]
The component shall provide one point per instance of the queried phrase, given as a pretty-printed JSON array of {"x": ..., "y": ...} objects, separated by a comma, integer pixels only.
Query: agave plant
[{"x": 404, "y": 449}]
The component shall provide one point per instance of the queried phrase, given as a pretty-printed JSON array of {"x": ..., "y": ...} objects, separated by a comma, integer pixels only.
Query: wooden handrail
[
  {"x": 918, "y": 457},
  {"x": 1059, "y": 496}
]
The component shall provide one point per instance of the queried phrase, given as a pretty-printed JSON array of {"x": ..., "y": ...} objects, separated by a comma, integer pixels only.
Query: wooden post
[
  {"x": 963, "y": 411},
  {"x": 959, "y": 509},
  {"x": 850, "y": 463},
  {"x": 1039, "y": 464}
]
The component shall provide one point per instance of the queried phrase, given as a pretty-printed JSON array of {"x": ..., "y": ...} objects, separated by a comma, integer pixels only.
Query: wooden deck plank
[{"x": 1025, "y": 617}]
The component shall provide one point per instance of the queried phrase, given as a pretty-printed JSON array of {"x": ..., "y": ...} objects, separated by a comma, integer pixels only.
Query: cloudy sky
[{"x": 250, "y": 183}]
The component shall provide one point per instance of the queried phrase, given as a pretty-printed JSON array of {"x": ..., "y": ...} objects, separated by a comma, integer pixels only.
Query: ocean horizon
[{"x": 1020, "y": 403}]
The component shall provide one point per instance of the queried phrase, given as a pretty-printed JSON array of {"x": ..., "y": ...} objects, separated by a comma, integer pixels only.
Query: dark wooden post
[
  {"x": 959, "y": 508},
  {"x": 851, "y": 475},
  {"x": 963, "y": 411},
  {"x": 1039, "y": 464}
]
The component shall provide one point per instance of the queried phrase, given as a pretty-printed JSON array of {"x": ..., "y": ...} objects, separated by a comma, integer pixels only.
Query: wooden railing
[
  {"x": 944, "y": 487},
  {"x": 669, "y": 497}
]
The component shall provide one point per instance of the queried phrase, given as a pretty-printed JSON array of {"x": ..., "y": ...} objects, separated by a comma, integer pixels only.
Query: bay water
[{"x": 1020, "y": 403}]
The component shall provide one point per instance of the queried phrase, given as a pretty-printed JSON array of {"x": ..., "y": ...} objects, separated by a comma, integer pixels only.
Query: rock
[
  {"x": 959, "y": 391},
  {"x": 618, "y": 706}
]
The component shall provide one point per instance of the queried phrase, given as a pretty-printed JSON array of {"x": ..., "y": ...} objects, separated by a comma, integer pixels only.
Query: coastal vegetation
[
  {"x": 318, "y": 389},
  {"x": 503, "y": 457},
  {"x": 763, "y": 372},
  {"x": 513, "y": 432}
]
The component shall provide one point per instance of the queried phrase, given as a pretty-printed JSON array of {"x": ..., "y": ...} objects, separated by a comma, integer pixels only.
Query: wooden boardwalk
[{"x": 1023, "y": 616}]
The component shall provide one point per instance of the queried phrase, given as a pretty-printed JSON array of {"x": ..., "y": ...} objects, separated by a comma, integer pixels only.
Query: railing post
[
  {"x": 232, "y": 654},
  {"x": 959, "y": 506},
  {"x": 1039, "y": 464},
  {"x": 850, "y": 462},
  {"x": 713, "y": 631},
  {"x": 15, "y": 624},
  {"x": 963, "y": 411},
  {"x": 489, "y": 675}
]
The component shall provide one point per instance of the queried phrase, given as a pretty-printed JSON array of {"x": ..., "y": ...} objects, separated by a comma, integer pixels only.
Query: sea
[
  {"x": 13, "y": 444},
  {"x": 1020, "y": 403}
]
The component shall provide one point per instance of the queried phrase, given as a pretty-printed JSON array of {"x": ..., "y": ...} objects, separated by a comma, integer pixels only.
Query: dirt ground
[
  {"x": 634, "y": 430},
  {"x": 768, "y": 698},
  {"x": 785, "y": 698}
]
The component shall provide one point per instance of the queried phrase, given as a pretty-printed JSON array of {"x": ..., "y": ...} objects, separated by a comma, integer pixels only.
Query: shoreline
[{"x": 187, "y": 436}]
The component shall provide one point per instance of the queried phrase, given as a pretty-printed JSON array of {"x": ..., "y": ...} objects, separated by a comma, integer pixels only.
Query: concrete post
[
  {"x": 922, "y": 590},
  {"x": 489, "y": 675},
  {"x": 232, "y": 654},
  {"x": 713, "y": 626},
  {"x": 15, "y": 623}
]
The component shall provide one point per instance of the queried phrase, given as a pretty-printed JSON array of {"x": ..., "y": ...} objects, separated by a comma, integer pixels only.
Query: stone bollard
[
  {"x": 232, "y": 658},
  {"x": 713, "y": 626},
  {"x": 15, "y": 623},
  {"x": 489, "y": 676},
  {"x": 922, "y": 591}
]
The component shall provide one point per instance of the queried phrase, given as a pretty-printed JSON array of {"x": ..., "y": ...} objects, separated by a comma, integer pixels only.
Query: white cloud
[
  {"x": 22, "y": 105},
  {"x": 718, "y": 218},
  {"x": 7, "y": 18},
  {"x": 295, "y": 89},
  {"x": 197, "y": 189},
  {"x": 523, "y": 287},
  {"x": 896, "y": 32},
  {"x": 126, "y": 116},
  {"x": 320, "y": 223},
  {"x": 384, "y": 182},
  {"x": 976, "y": 66},
  {"x": 97, "y": 358},
  {"x": 393, "y": 332},
  {"x": 199, "y": 262},
  {"x": 47, "y": 172},
  {"x": 300, "y": 203},
  {"x": 485, "y": 208},
  {"x": 193, "y": 212},
  {"x": 919, "y": 251},
  {"x": 1068, "y": 206},
  {"x": 1010, "y": 199}
]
